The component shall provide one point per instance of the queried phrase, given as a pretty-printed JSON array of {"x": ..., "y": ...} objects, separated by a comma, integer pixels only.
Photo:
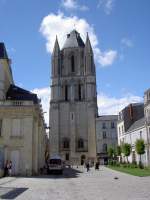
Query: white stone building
[
  {"x": 106, "y": 135},
  {"x": 132, "y": 126},
  {"x": 22, "y": 127},
  {"x": 73, "y": 105}
]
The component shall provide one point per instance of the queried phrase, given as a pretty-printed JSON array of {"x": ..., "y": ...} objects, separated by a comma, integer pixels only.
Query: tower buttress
[
  {"x": 89, "y": 65},
  {"x": 56, "y": 59},
  {"x": 6, "y": 78}
]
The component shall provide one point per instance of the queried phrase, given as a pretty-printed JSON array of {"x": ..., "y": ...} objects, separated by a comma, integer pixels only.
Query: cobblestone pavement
[{"x": 77, "y": 184}]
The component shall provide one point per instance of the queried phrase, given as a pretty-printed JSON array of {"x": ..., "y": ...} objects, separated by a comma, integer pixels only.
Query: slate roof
[
  {"x": 73, "y": 40},
  {"x": 3, "y": 52},
  {"x": 107, "y": 117},
  {"x": 16, "y": 93},
  {"x": 137, "y": 124}
]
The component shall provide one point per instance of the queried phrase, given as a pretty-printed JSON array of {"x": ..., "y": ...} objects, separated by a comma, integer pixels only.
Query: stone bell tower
[
  {"x": 73, "y": 105},
  {"x": 6, "y": 78}
]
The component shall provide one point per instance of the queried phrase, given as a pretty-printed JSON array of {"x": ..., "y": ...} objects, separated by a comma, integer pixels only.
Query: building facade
[
  {"x": 73, "y": 105},
  {"x": 147, "y": 119},
  {"x": 106, "y": 135},
  {"x": 132, "y": 126},
  {"x": 22, "y": 127}
]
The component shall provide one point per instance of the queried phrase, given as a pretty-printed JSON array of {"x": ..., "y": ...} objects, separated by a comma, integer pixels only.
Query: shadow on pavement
[
  {"x": 67, "y": 173},
  {"x": 12, "y": 193}
]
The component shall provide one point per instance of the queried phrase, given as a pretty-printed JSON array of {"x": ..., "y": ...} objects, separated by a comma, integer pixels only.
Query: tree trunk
[
  {"x": 140, "y": 163},
  {"x": 120, "y": 159},
  {"x": 127, "y": 160}
]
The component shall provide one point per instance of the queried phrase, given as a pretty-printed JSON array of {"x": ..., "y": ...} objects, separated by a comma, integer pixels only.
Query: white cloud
[
  {"x": 59, "y": 24},
  {"x": 105, "y": 58},
  {"x": 108, "y": 105},
  {"x": 107, "y": 5},
  {"x": 69, "y": 4},
  {"x": 73, "y": 5},
  {"x": 44, "y": 95},
  {"x": 126, "y": 42}
]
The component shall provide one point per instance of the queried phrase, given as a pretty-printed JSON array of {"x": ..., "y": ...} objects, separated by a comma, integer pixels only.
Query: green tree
[
  {"x": 118, "y": 151},
  {"x": 140, "y": 149},
  {"x": 110, "y": 152},
  {"x": 126, "y": 150}
]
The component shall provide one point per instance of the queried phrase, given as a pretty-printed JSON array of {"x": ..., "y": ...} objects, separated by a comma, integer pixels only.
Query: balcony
[{"x": 15, "y": 103}]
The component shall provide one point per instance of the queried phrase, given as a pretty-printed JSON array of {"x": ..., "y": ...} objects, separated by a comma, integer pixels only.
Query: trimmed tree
[
  {"x": 140, "y": 149},
  {"x": 126, "y": 150},
  {"x": 110, "y": 152},
  {"x": 118, "y": 151}
]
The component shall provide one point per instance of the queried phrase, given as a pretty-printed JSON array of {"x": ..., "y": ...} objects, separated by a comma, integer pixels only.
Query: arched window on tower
[
  {"x": 79, "y": 91},
  {"x": 80, "y": 143},
  {"x": 66, "y": 93},
  {"x": 72, "y": 64}
]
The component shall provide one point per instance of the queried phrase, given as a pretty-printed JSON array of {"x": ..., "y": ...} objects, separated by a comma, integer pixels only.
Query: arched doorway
[{"x": 83, "y": 159}]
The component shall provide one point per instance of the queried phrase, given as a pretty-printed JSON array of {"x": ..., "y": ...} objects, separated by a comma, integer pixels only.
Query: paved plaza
[{"x": 77, "y": 184}]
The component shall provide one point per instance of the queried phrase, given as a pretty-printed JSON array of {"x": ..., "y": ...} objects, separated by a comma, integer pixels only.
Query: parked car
[{"x": 55, "y": 165}]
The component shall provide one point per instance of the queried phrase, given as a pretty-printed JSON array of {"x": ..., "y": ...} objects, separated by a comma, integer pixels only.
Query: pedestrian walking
[
  {"x": 87, "y": 166},
  {"x": 97, "y": 165},
  {"x": 6, "y": 169},
  {"x": 10, "y": 168}
]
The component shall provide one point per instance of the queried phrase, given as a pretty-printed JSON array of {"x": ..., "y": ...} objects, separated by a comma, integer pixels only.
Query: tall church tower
[
  {"x": 73, "y": 105},
  {"x": 6, "y": 78}
]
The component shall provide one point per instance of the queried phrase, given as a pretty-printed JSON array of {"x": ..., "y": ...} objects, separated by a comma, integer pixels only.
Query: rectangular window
[
  {"x": 66, "y": 93},
  {"x": 79, "y": 90},
  {"x": 140, "y": 134},
  {"x": 16, "y": 128},
  {"x": 0, "y": 127},
  {"x": 104, "y": 134},
  {"x": 112, "y": 125},
  {"x": 103, "y": 125},
  {"x": 104, "y": 148},
  {"x": 72, "y": 64},
  {"x": 67, "y": 156},
  {"x": 72, "y": 116}
]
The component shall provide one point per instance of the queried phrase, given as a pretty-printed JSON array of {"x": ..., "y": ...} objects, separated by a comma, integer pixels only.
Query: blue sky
[{"x": 119, "y": 31}]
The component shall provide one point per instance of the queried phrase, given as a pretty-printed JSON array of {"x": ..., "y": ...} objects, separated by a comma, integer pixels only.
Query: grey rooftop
[
  {"x": 137, "y": 124},
  {"x": 73, "y": 40}
]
